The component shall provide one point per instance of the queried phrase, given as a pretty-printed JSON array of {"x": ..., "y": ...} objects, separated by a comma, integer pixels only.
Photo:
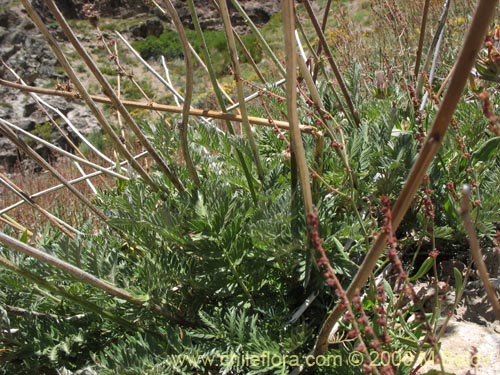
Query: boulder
[{"x": 149, "y": 27}]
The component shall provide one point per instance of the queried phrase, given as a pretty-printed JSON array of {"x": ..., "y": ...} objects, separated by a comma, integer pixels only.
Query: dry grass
[{"x": 61, "y": 203}]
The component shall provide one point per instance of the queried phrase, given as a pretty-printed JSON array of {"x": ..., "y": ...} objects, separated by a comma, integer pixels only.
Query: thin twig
[
  {"x": 433, "y": 69},
  {"x": 320, "y": 46},
  {"x": 73, "y": 128},
  {"x": 71, "y": 182},
  {"x": 475, "y": 250},
  {"x": 167, "y": 75},
  {"x": 423, "y": 26},
  {"x": 163, "y": 108},
  {"x": 63, "y": 226},
  {"x": 435, "y": 39},
  {"x": 256, "y": 94},
  {"x": 22, "y": 145},
  {"x": 188, "y": 95},
  {"x": 63, "y": 152},
  {"x": 233, "y": 53},
  {"x": 13, "y": 223},
  {"x": 333, "y": 65},
  {"x": 86, "y": 277},
  {"x": 259, "y": 36},
  {"x": 220, "y": 94},
  {"x": 57, "y": 290}
]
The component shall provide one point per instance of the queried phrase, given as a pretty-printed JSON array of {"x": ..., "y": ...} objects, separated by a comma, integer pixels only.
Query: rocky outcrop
[
  {"x": 24, "y": 112},
  {"x": 27, "y": 52},
  {"x": 259, "y": 11},
  {"x": 73, "y": 9}
]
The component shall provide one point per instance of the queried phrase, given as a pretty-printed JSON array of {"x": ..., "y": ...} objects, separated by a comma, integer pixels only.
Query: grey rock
[
  {"x": 83, "y": 120},
  {"x": 8, "y": 153},
  {"x": 150, "y": 27}
]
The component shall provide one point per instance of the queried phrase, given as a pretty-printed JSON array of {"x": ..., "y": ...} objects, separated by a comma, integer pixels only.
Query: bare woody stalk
[
  {"x": 166, "y": 82},
  {"x": 86, "y": 277},
  {"x": 318, "y": 103},
  {"x": 249, "y": 57},
  {"x": 83, "y": 93},
  {"x": 109, "y": 92},
  {"x": 435, "y": 40},
  {"x": 333, "y": 65},
  {"x": 244, "y": 49},
  {"x": 423, "y": 26},
  {"x": 162, "y": 107},
  {"x": 233, "y": 52},
  {"x": 475, "y": 250},
  {"x": 118, "y": 89},
  {"x": 46, "y": 113},
  {"x": 473, "y": 42},
  {"x": 323, "y": 27},
  {"x": 219, "y": 95},
  {"x": 188, "y": 95},
  {"x": 288, "y": 16},
  {"x": 7, "y": 220},
  {"x": 318, "y": 67}
]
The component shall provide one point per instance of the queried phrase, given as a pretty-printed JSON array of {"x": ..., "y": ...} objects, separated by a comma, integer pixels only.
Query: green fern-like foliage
[{"x": 234, "y": 276}]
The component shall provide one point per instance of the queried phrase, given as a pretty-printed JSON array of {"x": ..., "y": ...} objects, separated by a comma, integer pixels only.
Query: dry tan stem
[
  {"x": 288, "y": 16},
  {"x": 259, "y": 36},
  {"x": 323, "y": 27},
  {"x": 233, "y": 53},
  {"x": 45, "y": 104},
  {"x": 118, "y": 90},
  {"x": 423, "y": 26},
  {"x": 7, "y": 220},
  {"x": 72, "y": 182},
  {"x": 83, "y": 276},
  {"x": 333, "y": 65},
  {"x": 57, "y": 290},
  {"x": 163, "y": 108},
  {"x": 59, "y": 150},
  {"x": 435, "y": 39},
  {"x": 188, "y": 95},
  {"x": 473, "y": 41},
  {"x": 475, "y": 250},
  {"x": 249, "y": 57},
  {"x": 220, "y": 94}
]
